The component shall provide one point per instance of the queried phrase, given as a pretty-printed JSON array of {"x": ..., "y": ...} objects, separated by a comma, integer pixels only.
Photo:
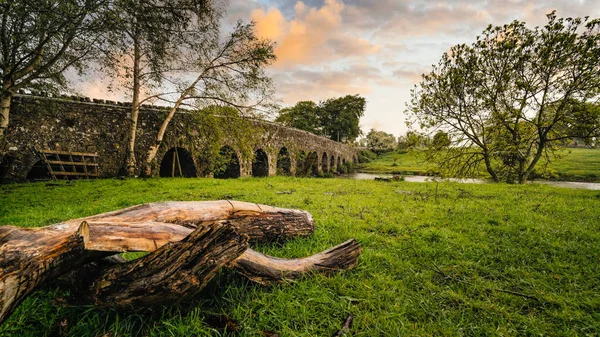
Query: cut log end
[{"x": 29, "y": 257}]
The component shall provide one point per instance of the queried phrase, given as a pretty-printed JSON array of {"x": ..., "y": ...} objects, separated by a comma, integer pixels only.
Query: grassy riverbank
[
  {"x": 439, "y": 259},
  {"x": 396, "y": 163},
  {"x": 573, "y": 165}
]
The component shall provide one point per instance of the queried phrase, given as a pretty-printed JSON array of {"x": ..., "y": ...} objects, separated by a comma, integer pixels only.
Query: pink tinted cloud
[{"x": 313, "y": 36}]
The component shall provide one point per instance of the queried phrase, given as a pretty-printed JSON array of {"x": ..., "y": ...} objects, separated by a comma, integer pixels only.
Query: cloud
[
  {"x": 98, "y": 88},
  {"x": 397, "y": 20},
  {"x": 392, "y": 20},
  {"x": 304, "y": 84},
  {"x": 408, "y": 75},
  {"x": 379, "y": 48},
  {"x": 376, "y": 125},
  {"x": 312, "y": 36},
  {"x": 270, "y": 24}
]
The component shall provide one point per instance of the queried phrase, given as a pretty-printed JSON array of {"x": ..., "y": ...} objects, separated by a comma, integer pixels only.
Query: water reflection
[
  {"x": 425, "y": 179},
  {"x": 571, "y": 184}
]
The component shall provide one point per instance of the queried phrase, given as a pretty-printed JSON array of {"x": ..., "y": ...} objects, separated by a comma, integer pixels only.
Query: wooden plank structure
[
  {"x": 70, "y": 165},
  {"x": 176, "y": 160}
]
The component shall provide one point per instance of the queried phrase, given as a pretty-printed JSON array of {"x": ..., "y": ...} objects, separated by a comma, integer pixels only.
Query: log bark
[
  {"x": 257, "y": 267},
  {"x": 262, "y": 223},
  {"x": 175, "y": 271},
  {"x": 28, "y": 257}
]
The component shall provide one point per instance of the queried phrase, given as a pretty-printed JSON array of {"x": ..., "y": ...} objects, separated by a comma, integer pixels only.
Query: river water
[{"x": 423, "y": 179}]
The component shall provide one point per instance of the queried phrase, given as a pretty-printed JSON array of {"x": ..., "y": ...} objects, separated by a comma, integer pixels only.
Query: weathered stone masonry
[{"x": 83, "y": 126}]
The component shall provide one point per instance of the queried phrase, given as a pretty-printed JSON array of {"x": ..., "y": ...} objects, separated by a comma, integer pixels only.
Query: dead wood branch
[
  {"x": 260, "y": 222},
  {"x": 187, "y": 241},
  {"x": 345, "y": 328},
  {"x": 30, "y": 257},
  {"x": 265, "y": 269}
]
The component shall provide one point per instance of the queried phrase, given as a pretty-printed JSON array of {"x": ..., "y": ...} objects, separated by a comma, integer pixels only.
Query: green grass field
[
  {"x": 439, "y": 259},
  {"x": 575, "y": 164},
  {"x": 406, "y": 163}
]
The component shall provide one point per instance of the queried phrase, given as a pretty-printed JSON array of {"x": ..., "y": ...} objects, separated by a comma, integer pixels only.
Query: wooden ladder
[{"x": 67, "y": 164}]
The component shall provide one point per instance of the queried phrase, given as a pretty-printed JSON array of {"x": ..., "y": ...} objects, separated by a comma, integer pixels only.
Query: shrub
[{"x": 366, "y": 156}]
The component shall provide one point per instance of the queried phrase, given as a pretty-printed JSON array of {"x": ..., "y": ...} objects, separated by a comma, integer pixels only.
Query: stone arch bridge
[{"x": 83, "y": 125}]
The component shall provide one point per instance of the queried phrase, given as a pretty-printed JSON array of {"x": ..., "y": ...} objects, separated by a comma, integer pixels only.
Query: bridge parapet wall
[{"x": 83, "y": 125}]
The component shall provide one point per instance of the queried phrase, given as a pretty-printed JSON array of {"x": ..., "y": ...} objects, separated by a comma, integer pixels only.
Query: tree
[
  {"x": 583, "y": 122},
  {"x": 510, "y": 97},
  {"x": 39, "y": 40},
  {"x": 380, "y": 142},
  {"x": 441, "y": 140},
  {"x": 301, "y": 116},
  {"x": 335, "y": 118},
  {"x": 217, "y": 125},
  {"x": 145, "y": 41},
  {"x": 339, "y": 117},
  {"x": 413, "y": 140},
  {"x": 229, "y": 72}
]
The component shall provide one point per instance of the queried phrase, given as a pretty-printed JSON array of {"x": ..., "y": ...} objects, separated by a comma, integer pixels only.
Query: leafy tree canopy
[
  {"x": 508, "y": 99},
  {"x": 335, "y": 118},
  {"x": 301, "y": 116},
  {"x": 380, "y": 142},
  {"x": 441, "y": 139},
  {"x": 339, "y": 117},
  {"x": 413, "y": 140}
]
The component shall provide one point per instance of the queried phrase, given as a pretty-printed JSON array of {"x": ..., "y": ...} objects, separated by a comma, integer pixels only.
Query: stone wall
[{"x": 82, "y": 125}]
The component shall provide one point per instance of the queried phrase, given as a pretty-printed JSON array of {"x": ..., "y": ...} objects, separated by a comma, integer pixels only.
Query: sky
[{"x": 377, "y": 49}]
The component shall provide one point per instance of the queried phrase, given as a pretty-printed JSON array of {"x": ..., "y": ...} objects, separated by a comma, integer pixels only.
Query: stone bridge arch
[
  {"x": 332, "y": 167},
  {"x": 260, "y": 163},
  {"x": 178, "y": 162},
  {"x": 78, "y": 124},
  {"x": 229, "y": 163},
  {"x": 284, "y": 162},
  {"x": 324, "y": 163},
  {"x": 38, "y": 171}
]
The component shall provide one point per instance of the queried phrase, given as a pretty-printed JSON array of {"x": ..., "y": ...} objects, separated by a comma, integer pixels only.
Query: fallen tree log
[
  {"x": 173, "y": 272},
  {"x": 148, "y": 226},
  {"x": 257, "y": 267},
  {"x": 29, "y": 257},
  {"x": 262, "y": 223},
  {"x": 188, "y": 242}
]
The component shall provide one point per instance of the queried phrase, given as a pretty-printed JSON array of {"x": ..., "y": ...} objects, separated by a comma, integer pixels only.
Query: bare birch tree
[
  {"x": 144, "y": 41},
  {"x": 228, "y": 71}
]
